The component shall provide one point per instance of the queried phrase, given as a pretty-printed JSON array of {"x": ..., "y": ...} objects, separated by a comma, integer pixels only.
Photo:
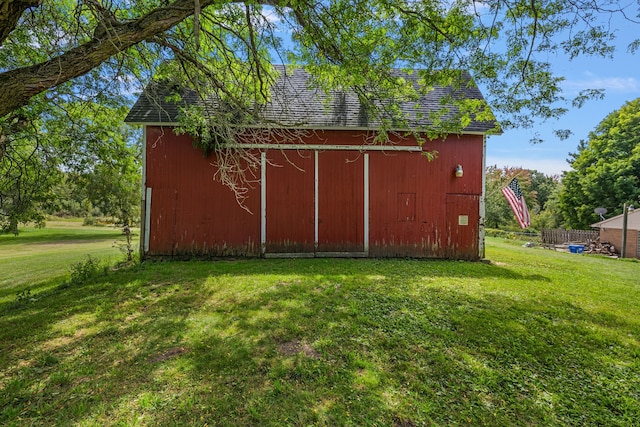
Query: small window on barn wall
[{"x": 406, "y": 207}]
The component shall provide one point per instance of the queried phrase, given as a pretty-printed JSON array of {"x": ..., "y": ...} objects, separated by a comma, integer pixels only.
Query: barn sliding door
[
  {"x": 314, "y": 203},
  {"x": 289, "y": 211},
  {"x": 340, "y": 199}
]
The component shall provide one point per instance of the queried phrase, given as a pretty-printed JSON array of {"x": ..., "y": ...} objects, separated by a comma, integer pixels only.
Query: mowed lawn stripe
[{"x": 43, "y": 254}]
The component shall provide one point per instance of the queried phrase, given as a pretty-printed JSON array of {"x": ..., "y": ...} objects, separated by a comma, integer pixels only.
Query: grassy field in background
[
  {"x": 533, "y": 337},
  {"x": 45, "y": 254}
]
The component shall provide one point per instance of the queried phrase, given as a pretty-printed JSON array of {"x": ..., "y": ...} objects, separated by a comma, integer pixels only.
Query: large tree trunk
[
  {"x": 10, "y": 13},
  {"x": 19, "y": 85}
]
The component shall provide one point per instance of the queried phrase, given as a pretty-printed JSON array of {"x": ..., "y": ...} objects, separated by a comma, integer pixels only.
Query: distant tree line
[
  {"x": 539, "y": 190},
  {"x": 90, "y": 167},
  {"x": 109, "y": 193},
  {"x": 605, "y": 172}
]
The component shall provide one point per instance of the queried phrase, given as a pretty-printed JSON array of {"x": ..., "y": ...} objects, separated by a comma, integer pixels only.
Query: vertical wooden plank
[
  {"x": 482, "y": 206},
  {"x": 144, "y": 209},
  {"x": 147, "y": 219}
]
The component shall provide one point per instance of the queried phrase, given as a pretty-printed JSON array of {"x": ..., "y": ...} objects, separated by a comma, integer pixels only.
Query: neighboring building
[
  {"x": 611, "y": 231},
  {"x": 331, "y": 193}
]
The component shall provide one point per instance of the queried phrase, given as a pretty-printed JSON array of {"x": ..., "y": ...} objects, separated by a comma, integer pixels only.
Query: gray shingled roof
[
  {"x": 295, "y": 103},
  {"x": 153, "y": 106}
]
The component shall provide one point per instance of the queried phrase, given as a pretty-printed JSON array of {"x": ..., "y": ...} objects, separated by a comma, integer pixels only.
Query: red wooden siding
[
  {"x": 340, "y": 201},
  {"x": 416, "y": 207},
  {"x": 408, "y": 200},
  {"x": 290, "y": 203},
  {"x": 191, "y": 214},
  {"x": 461, "y": 228}
]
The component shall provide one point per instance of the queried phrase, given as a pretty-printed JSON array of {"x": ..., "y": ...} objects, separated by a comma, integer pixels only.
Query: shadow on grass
[{"x": 309, "y": 342}]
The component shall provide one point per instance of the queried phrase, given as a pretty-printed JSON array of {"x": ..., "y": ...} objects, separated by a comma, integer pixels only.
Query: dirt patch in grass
[
  {"x": 291, "y": 348},
  {"x": 169, "y": 354}
]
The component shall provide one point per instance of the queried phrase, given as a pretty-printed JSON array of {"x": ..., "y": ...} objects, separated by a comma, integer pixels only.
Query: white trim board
[
  {"x": 316, "y": 128},
  {"x": 316, "y": 203},
  {"x": 263, "y": 202},
  {"x": 332, "y": 147},
  {"x": 366, "y": 204},
  {"x": 147, "y": 220}
]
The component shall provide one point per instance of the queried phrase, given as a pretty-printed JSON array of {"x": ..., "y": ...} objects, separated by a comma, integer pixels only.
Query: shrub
[
  {"x": 24, "y": 296},
  {"x": 83, "y": 271}
]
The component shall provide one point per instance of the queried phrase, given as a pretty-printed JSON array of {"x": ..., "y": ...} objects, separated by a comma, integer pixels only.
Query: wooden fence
[{"x": 558, "y": 236}]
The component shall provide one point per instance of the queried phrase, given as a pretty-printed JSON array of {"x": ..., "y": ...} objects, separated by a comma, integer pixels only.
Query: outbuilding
[
  {"x": 330, "y": 192},
  {"x": 611, "y": 231}
]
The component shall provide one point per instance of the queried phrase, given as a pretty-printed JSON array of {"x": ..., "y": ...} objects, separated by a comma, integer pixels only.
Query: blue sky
[{"x": 619, "y": 77}]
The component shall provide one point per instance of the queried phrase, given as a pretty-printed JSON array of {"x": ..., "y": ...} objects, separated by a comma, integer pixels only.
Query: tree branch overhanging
[
  {"x": 10, "y": 13},
  {"x": 19, "y": 85}
]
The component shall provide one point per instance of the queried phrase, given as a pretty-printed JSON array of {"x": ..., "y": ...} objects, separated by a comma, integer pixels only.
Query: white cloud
[
  {"x": 610, "y": 84},
  {"x": 271, "y": 16},
  {"x": 478, "y": 7}
]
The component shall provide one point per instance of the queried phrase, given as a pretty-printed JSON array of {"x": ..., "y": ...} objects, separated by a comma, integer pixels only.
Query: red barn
[{"x": 329, "y": 193}]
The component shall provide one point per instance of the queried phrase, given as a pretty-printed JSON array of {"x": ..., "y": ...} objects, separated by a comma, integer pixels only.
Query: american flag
[{"x": 514, "y": 196}]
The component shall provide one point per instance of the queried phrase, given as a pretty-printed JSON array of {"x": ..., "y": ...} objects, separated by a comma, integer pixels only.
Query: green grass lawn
[
  {"x": 534, "y": 337},
  {"x": 45, "y": 254}
]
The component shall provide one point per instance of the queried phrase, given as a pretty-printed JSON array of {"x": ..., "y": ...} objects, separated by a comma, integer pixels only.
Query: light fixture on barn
[{"x": 459, "y": 172}]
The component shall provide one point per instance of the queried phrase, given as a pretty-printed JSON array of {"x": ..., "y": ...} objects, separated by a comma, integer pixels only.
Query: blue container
[{"x": 576, "y": 249}]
